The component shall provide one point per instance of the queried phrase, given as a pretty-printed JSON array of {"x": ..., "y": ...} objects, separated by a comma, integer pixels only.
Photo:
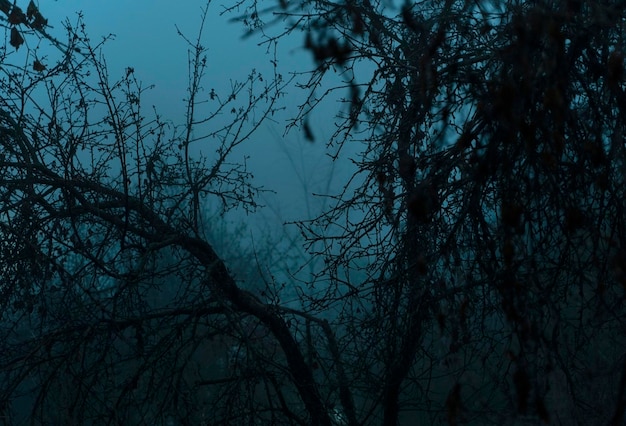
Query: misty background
[{"x": 144, "y": 35}]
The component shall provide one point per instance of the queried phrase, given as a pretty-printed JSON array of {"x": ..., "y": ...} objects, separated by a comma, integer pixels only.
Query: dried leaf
[
  {"x": 308, "y": 134},
  {"x": 31, "y": 10},
  {"x": 16, "y": 38},
  {"x": 17, "y": 17},
  {"x": 38, "y": 66},
  {"x": 39, "y": 22}
]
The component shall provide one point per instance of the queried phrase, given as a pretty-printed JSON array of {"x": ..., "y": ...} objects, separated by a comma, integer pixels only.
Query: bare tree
[
  {"x": 115, "y": 308},
  {"x": 488, "y": 215},
  {"x": 473, "y": 268}
]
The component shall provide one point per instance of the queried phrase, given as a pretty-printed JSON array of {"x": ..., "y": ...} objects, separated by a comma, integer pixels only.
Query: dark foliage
[
  {"x": 474, "y": 266},
  {"x": 489, "y": 220}
]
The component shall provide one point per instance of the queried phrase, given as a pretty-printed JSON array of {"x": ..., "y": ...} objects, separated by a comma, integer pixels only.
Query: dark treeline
[{"x": 473, "y": 270}]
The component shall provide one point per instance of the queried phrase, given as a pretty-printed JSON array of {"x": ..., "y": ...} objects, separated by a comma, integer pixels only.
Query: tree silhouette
[
  {"x": 115, "y": 308},
  {"x": 473, "y": 267},
  {"x": 488, "y": 218}
]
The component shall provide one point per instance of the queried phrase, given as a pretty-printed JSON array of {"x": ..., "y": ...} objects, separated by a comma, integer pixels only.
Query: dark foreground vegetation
[{"x": 473, "y": 270}]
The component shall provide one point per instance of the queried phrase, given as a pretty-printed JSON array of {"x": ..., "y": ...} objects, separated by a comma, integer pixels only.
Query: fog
[
  {"x": 149, "y": 36},
  {"x": 462, "y": 170}
]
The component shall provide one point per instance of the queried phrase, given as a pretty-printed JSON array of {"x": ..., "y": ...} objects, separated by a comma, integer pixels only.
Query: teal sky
[{"x": 146, "y": 39}]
